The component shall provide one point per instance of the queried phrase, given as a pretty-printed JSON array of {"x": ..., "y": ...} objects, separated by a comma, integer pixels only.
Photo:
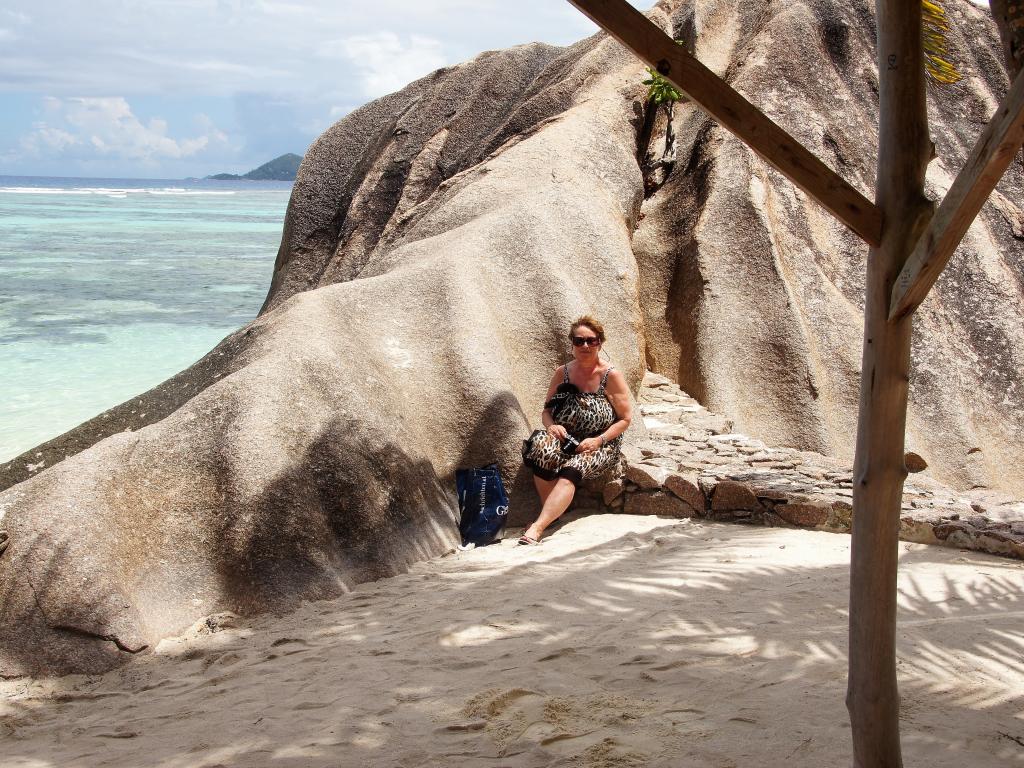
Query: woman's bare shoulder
[{"x": 616, "y": 377}]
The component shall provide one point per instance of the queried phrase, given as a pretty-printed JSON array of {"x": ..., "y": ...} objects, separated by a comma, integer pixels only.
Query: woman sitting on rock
[{"x": 586, "y": 410}]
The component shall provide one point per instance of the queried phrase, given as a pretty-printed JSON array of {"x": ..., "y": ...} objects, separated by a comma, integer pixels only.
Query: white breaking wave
[
  {"x": 42, "y": 191},
  {"x": 111, "y": 192},
  {"x": 178, "y": 191}
]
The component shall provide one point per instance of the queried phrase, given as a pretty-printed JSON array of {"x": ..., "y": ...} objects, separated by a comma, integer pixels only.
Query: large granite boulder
[
  {"x": 753, "y": 295},
  {"x": 437, "y": 243}
]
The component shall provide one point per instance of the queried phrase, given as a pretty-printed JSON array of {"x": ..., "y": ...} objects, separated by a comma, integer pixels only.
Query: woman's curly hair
[{"x": 591, "y": 323}]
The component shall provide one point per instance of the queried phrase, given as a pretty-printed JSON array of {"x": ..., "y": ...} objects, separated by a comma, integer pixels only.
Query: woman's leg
[
  {"x": 558, "y": 500},
  {"x": 543, "y": 487}
]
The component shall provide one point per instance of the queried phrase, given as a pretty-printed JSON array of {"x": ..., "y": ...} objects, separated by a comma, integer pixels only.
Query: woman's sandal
[{"x": 528, "y": 541}]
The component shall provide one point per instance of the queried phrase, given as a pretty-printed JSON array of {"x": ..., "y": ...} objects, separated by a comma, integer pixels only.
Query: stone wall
[{"x": 694, "y": 465}]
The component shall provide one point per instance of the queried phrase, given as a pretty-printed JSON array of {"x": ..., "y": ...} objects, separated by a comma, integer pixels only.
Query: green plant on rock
[
  {"x": 659, "y": 90},
  {"x": 661, "y": 94}
]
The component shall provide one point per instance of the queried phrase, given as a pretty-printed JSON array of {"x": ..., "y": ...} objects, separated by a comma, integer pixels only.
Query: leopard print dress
[{"x": 583, "y": 414}]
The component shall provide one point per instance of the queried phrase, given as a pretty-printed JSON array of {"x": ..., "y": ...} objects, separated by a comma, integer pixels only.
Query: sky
[{"x": 179, "y": 88}]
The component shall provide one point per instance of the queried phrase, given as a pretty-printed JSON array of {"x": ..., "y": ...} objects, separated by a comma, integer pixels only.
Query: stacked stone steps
[{"x": 693, "y": 464}]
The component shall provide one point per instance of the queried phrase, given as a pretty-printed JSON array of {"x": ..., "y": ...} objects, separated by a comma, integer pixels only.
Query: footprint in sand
[
  {"x": 473, "y": 725},
  {"x": 577, "y": 728},
  {"x": 748, "y": 720},
  {"x": 118, "y": 734},
  {"x": 644, "y": 658},
  {"x": 221, "y": 660},
  {"x": 287, "y": 641},
  {"x": 460, "y": 665},
  {"x": 685, "y": 716},
  {"x": 672, "y": 665},
  {"x": 561, "y": 653},
  {"x": 312, "y": 705},
  {"x": 493, "y": 702}
]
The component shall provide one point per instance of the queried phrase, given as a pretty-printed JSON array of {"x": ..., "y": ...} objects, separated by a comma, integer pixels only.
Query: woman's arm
[
  {"x": 617, "y": 392},
  {"x": 618, "y": 395},
  {"x": 556, "y": 430}
]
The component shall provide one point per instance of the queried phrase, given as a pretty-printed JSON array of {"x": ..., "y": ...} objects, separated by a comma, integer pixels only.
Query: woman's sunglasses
[{"x": 589, "y": 341}]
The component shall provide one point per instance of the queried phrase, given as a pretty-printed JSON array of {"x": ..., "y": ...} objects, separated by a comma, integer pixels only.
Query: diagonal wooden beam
[
  {"x": 991, "y": 156},
  {"x": 736, "y": 114}
]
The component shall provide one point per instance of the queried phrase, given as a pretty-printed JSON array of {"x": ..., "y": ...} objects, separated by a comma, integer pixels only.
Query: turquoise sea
[{"x": 109, "y": 286}]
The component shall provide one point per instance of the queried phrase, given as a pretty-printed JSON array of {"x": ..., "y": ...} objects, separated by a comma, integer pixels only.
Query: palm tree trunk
[{"x": 903, "y": 154}]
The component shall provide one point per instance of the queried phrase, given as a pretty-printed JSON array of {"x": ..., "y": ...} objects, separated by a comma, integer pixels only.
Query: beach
[{"x": 620, "y": 641}]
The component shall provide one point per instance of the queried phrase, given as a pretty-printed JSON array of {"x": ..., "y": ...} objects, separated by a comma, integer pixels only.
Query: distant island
[{"x": 283, "y": 168}]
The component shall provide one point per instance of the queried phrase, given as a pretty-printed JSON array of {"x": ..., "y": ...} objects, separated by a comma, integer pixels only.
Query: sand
[{"x": 620, "y": 641}]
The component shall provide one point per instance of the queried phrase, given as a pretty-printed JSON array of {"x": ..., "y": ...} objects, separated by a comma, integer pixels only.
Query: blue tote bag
[{"x": 483, "y": 504}]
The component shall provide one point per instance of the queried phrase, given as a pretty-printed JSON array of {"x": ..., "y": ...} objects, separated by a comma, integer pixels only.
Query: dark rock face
[{"x": 437, "y": 244}]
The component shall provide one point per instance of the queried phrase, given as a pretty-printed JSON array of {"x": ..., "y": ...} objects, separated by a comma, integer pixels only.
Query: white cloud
[
  {"x": 221, "y": 47},
  {"x": 107, "y": 126},
  {"x": 11, "y": 20},
  {"x": 385, "y": 62},
  {"x": 18, "y": 17},
  {"x": 274, "y": 73},
  {"x": 49, "y": 139}
]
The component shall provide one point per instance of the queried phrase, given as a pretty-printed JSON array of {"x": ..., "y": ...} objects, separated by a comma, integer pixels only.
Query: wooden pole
[
  {"x": 635, "y": 31},
  {"x": 904, "y": 150},
  {"x": 991, "y": 156}
]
